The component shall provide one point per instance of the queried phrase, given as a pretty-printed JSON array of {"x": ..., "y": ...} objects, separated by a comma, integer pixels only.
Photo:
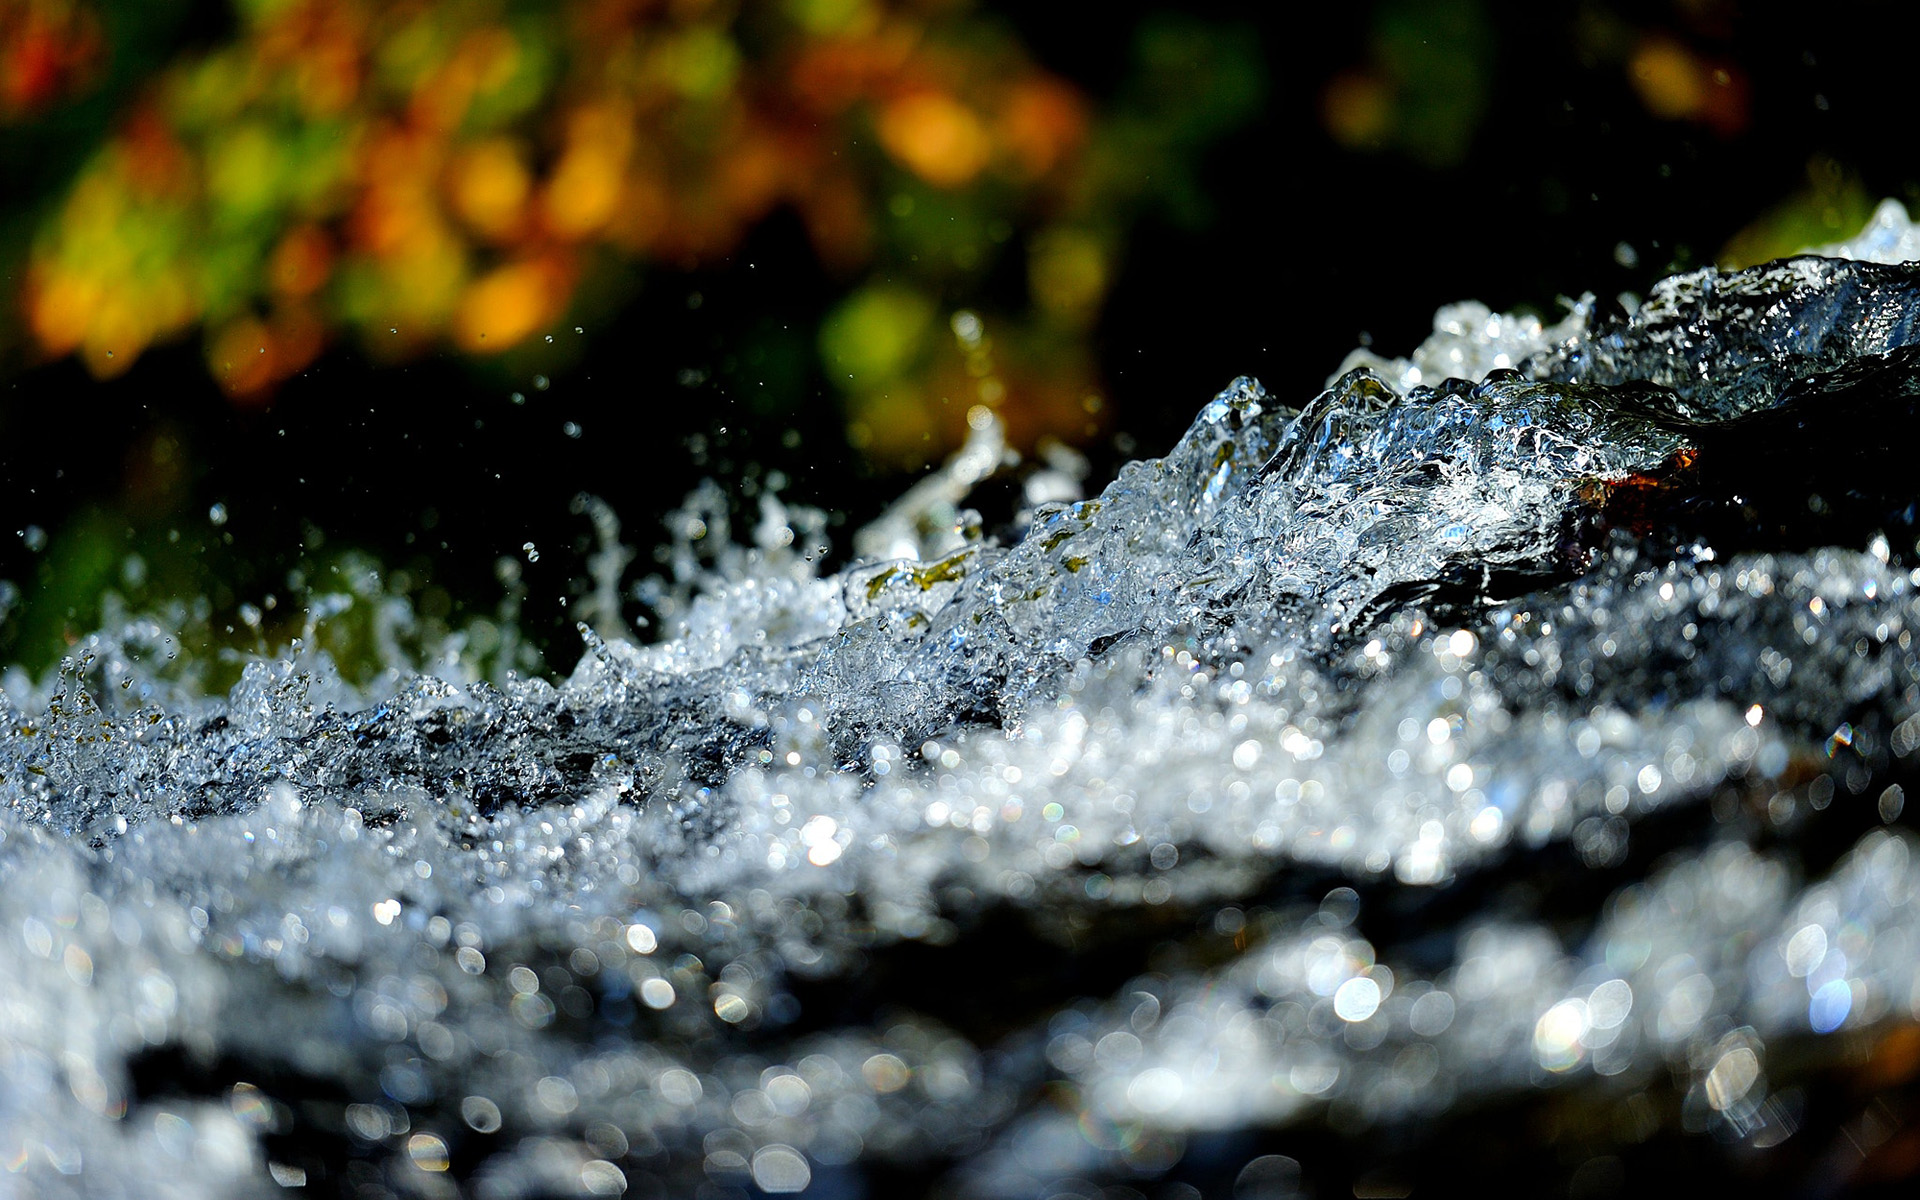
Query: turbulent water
[{"x": 1499, "y": 761}]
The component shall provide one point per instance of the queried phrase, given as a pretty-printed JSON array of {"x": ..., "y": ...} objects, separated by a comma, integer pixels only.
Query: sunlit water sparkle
[{"x": 773, "y": 900}]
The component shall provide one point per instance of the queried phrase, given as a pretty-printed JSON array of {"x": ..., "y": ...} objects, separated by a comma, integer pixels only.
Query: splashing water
[{"x": 1533, "y": 712}]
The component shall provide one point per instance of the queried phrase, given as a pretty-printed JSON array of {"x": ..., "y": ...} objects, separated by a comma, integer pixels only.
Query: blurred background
[{"x": 299, "y": 295}]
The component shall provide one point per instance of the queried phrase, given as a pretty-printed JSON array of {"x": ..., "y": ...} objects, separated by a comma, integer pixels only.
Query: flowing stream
[{"x": 1520, "y": 727}]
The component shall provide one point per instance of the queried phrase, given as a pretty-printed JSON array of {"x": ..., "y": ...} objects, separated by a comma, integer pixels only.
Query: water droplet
[
  {"x": 779, "y": 1170},
  {"x": 1357, "y": 999},
  {"x": 428, "y": 1152},
  {"x": 480, "y": 1113}
]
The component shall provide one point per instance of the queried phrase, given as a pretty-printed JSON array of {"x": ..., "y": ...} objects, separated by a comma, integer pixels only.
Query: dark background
[{"x": 1557, "y": 175}]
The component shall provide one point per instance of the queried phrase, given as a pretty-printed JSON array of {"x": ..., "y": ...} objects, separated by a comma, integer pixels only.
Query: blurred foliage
[
  {"x": 431, "y": 173},
  {"x": 49, "y": 49},
  {"x": 885, "y": 212},
  {"x": 1835, "y": 204},
  {"x": 1424, "y": 85},
  {"x": 1429, "y": 73}
]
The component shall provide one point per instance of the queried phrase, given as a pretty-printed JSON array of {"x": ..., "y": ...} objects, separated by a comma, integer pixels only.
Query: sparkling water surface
[{"x": 1523, "y": 722}]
